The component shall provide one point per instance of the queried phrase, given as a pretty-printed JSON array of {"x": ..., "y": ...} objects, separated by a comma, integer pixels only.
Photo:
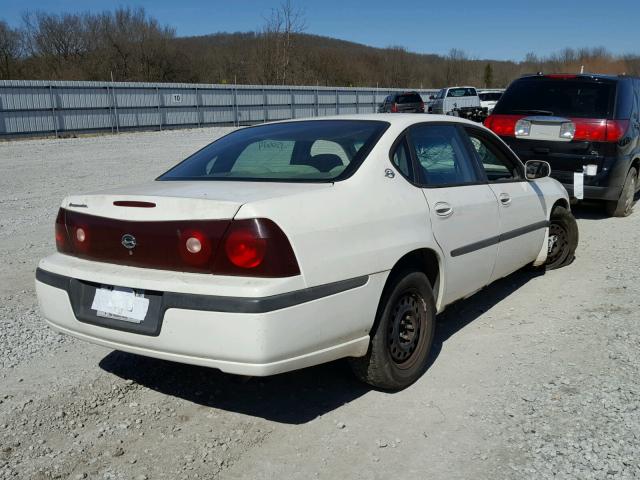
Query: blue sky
[{"x": 485, "y": 29}]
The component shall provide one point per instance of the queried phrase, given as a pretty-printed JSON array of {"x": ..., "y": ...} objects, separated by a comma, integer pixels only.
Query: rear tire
[
  {"x": 563, "y": 239},
  {"x": 402, "y": 336},
  {"x": 624, "y": 205}
]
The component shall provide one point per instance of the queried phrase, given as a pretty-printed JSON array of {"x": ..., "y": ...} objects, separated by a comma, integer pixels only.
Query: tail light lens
[
  {"x": 579, "y": 129},
  {"x": 62, "y": 239},
  {"x": 422, "y": 106},
  {"x": 502, "y": 125},
  {"x": 394, "y": 108},
  {"x": 616, "y": 129},
  {"x": 596, "y": 130},
  {"x": 254, "y": 247}
]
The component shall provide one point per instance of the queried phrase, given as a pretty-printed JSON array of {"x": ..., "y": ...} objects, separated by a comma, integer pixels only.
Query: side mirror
[
  {"x": 431, "y": 97},
  {"x": 537, "y": 169}
]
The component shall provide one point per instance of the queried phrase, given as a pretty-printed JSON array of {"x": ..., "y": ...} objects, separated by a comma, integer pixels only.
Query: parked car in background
[
  {"x": 458, "y": 101},
  {"x": 586, "y": 126},
  {"x": 290, "y": 244},
  {"x": 489, "y": 98},
  {"x": 406, "y": 102}
]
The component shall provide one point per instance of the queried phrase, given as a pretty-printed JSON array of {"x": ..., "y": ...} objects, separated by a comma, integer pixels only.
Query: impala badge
[{"x": 128, "y": 241}]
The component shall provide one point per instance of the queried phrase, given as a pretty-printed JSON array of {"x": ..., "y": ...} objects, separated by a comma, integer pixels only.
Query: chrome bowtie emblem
[{"x": 128, "y": 241}]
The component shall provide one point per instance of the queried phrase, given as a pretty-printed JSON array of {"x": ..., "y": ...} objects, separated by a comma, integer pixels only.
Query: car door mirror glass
[{"x": 537, "y": 169}]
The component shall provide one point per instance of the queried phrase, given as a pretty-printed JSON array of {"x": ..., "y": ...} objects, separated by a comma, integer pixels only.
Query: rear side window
[
  {"x": 559, "y": 97},
  {"x": 462, "y": 92},
  {"x": 401, "y": 158},
  {"x": 409, "y": 98},
  {"x": 442, "y": 157},
  {"x": 308, "y": 151}
]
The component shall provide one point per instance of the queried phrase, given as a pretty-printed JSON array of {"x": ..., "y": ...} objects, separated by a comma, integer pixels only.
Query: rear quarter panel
[{"x": 361, "y": 226}]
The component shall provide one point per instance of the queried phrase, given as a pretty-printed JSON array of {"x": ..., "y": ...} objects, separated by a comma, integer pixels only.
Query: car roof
[
  {"x": 592, "y": 76},
  {"x": 396, "y": 119}
]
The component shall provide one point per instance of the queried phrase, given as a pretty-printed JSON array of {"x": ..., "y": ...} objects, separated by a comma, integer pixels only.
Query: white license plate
[
  {"x": 541, "y": 131},
  {"x": 120, "y": 303}
]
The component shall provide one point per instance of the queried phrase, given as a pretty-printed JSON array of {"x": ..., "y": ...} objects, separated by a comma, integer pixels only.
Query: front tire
[
  {"x": 563, "y": 239},
  {"x": 403, "y": 333},
  {"x": 624, "y": 205}
]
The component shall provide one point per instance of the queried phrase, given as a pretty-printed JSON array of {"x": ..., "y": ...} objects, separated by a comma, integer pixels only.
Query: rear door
[
  {"x": 521, "y": 205},
  {"x": 463, "y": 208}
]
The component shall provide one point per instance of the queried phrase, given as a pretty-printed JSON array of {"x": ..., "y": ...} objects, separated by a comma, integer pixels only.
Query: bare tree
[
  {"x": 278, "y": 34},
  {"x": 10, "y": 50}
]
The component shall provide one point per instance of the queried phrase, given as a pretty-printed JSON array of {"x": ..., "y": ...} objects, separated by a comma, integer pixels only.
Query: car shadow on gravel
[
  {"x": 292, "y": 398},
  {"x": 295, "y": 397}
]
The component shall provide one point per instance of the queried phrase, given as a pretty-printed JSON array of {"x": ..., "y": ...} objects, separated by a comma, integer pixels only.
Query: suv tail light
[
  {"x": 595, "y": 130},
  {"x": 422, "y": 106},
  {"x": 394, "y": 107},
  {"x": 502, "y": 125},
  {"x": 586, "y": 129},
  {"x": 253, "y": 247}
]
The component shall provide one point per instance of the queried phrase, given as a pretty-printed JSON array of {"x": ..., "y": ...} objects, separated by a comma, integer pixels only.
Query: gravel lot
[{"x": 534, "y": 377}]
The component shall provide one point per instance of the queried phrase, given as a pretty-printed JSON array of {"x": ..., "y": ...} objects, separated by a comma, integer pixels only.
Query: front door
[
  {"x": 463, "y": 208},
  {"x": 522, "y": 208}
]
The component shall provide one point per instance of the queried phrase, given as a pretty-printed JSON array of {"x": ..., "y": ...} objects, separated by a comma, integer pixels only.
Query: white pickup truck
[{"x": 458, "y": 101}]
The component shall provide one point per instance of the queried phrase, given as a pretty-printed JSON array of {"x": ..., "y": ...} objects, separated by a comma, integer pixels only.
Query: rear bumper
[
  {"x": 596, "y": 193},
  {"x": 247, "y": 336},
  {"x": 566, "y": 158}
]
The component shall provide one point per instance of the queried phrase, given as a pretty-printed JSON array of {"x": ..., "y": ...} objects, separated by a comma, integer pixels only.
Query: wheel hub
[
  {"x": 404, "y": 328},
  {"x": 558, "y": 240}
]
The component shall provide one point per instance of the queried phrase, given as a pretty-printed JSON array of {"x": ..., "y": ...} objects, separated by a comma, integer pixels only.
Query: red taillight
[
  {"x": 422, "y": 106},
  {"x": 394, "y": 108},
  {"x": 502, "y": 125},
  {"x": 62, "y": 240},
  {"x": 255, "y": 247},
  {"x": 616, "y": 129},
  {"x": 245, "y": 249},
  {"x": 561, "y": 76},
  {"x": 252, "y": 247},
  {"x": 596, "y": 130}
]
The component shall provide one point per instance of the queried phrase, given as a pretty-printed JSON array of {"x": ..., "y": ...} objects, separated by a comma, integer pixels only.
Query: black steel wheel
[
  {"x": 563, "y": 239},
  {"x": 402, "y": 334}
]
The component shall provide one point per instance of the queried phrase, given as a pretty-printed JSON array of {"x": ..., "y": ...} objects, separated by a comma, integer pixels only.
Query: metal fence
[{"x": 31, "y": 107}]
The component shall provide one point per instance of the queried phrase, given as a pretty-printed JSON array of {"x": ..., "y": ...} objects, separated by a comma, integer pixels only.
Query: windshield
[
  {"x": 462, "y": 92},
  {"x": 490, "y": 96},
  {"x": 561, "y": 98},
  {"x": 308, "y": 151}
]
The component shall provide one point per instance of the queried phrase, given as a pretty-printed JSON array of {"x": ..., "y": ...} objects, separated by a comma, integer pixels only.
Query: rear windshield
[
  {"x": 409, "y": 98},
  {"x": 490, "y": 96},
  {"x": 462, "y": 92},
  {"x": 308, "y": 151},
  {"x": 562, "y": 98}
]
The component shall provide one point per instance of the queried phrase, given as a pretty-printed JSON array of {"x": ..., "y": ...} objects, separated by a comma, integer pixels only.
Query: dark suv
[
  {"x": 407, "y": 102},
  {"x": 586, "y": 126}
]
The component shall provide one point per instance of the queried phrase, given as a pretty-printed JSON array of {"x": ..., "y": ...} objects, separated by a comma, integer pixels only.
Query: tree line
[{"x": 127, "y": 44}]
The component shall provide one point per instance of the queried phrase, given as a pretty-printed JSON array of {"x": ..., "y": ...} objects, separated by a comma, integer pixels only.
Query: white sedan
[{"x": 290, "y": 244}]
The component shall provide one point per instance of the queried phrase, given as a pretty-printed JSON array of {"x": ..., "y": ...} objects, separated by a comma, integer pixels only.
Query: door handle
[
  {"x": 443, "y": 209},
  {"x": 505, "y": 199}
]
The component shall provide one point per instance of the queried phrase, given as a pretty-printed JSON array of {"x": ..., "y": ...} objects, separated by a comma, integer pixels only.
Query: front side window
[
  {"x": 307, "y": 151},
  {"x": 495, "y": 163},
  {"x": 442, "y": 157}
]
